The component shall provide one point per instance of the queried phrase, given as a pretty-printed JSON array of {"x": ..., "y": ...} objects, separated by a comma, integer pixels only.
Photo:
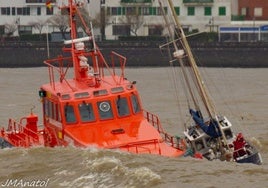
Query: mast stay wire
[
  {"x": 222, "y": 96},
  {"x": 189, "y": 90},
  {"x": 173, "y": 68}
]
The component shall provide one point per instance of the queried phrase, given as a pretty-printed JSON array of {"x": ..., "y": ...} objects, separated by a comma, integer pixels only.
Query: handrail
[
  {"x": 140, "y": 144},
  {"x": 59, "y": 68},
  {"x": 174, "y": 141},
  {"x": 238, "y": 152},
  {"x": 24, "y": 136},
  {"x": 122, "y": 62}
]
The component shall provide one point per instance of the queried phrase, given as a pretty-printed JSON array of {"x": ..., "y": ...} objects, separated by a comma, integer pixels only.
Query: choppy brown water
[{"x": 244, "y": 90}]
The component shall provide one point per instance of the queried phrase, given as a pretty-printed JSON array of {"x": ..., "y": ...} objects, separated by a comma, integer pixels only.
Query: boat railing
[
  {"x": 118, "y": 60},
  {"x": 61, "y": 65},
  {"x": 57, "y": 64},
  {"x": 20, "y": 135},
  {"x": 154, "y": 120},
  {"x": 174, "y": 141},
  {"x": 242, "y": 152},
  {"x": 141, "y": 146}
]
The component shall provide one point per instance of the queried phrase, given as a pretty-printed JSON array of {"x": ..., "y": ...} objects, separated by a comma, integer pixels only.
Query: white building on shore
[
  {"x": 18, "y": 16},
  {"x": 31, "y": 16},
  {"x": 121, "y": 17},
  {"x": 143, "y": 17}
]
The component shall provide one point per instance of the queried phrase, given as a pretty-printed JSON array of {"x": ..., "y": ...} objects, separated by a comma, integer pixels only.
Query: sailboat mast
[
  {"x": 208, "y": 104},
  {"x": 177, "y": 49},
  {"x": 205, "y": 98}
]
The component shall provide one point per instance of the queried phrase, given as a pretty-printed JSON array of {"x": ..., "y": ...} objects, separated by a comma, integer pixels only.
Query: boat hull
[
  {"x": 254, "y": 158},
  {"x": 4, "y": 143}
]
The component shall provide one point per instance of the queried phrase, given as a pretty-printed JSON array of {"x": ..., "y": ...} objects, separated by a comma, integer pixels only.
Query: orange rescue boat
[{"x": 92, "y": 108}]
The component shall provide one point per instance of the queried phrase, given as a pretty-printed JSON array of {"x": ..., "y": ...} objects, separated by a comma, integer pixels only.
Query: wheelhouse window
[
  {"x": 105, "y": 110},
  {"x": 52, "y": 110},
  {"x": 46, "y": 107},
  {"x": 86, "y": 112},
  {"x": 57, "y": 114},
  {"x": 122, "y": 106},
  {"x": 69, "y": 114},
  {"x": 135, "y": 104}
]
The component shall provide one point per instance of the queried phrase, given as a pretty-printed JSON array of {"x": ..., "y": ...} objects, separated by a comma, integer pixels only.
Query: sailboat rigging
[{"x": 210, "y": 133}]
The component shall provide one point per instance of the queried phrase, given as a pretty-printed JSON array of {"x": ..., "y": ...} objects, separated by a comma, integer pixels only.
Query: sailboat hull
[{"x": 254, "y": 158}]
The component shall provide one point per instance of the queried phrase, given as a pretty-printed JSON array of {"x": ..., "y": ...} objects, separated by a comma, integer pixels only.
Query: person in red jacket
[{"x": 239, "y": 146}]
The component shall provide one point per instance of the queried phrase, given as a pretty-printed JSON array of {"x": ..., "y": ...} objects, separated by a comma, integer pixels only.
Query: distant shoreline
[{"x": 142, "y": 54}]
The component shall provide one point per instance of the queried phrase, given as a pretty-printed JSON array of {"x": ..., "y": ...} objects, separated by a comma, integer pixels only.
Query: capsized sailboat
[
  {"x": 209, "y": 134},
  {"x": 97, "y": 107}
]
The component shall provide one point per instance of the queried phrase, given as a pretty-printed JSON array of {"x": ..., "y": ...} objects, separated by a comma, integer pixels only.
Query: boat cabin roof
[{"x": 75, "y": 90}]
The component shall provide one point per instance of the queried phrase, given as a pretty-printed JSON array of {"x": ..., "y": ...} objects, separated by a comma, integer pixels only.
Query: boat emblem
[{"x": 104, "y": 106}]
